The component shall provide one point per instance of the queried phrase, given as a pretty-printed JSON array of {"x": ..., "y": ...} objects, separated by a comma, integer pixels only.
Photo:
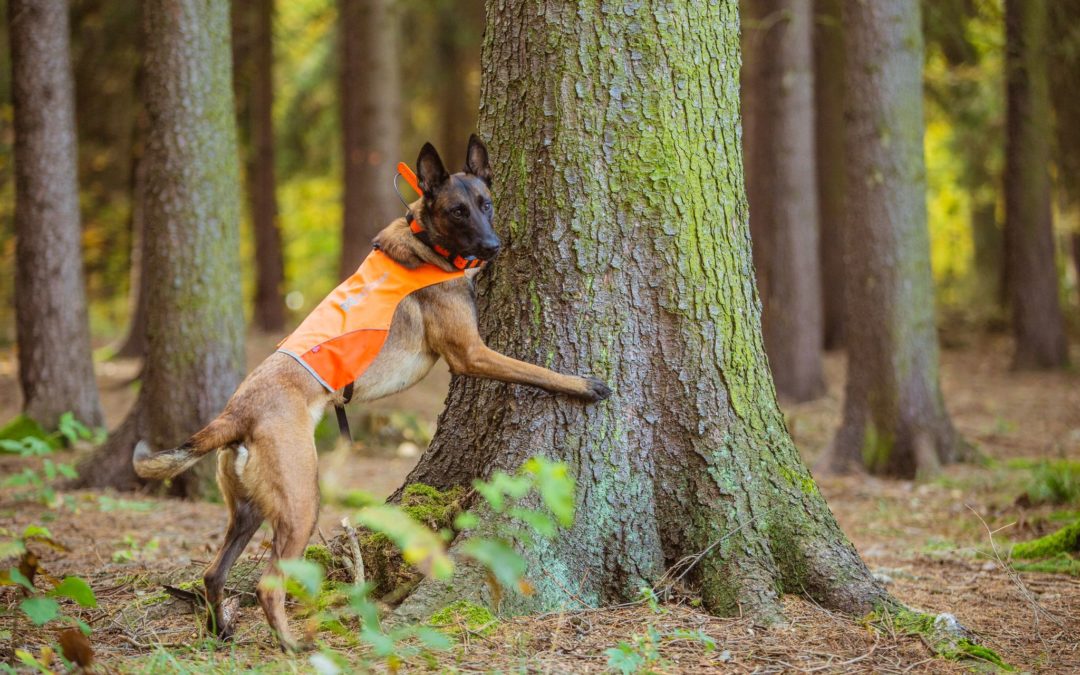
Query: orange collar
[{"x": 458, "y": 261}]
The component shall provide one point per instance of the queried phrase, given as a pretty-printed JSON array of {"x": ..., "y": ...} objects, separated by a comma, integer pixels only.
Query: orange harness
[{"x": 339, "y": 340}]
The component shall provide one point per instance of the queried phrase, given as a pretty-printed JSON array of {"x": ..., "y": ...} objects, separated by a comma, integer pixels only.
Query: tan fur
[{"x": 268, "y": 466}]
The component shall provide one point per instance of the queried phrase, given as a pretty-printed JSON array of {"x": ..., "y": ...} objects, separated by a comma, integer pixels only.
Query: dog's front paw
[{"x": 594, "y": 389}]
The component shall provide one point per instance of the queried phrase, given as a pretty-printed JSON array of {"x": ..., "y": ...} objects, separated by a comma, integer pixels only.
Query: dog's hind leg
[
  {"x": 295, "y": 511},
  {"x": 244, "y": 520}
]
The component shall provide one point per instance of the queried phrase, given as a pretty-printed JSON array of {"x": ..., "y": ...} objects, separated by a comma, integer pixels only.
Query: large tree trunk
[
  {"x": 829, "y": 139},
  {"x": 615, "y": 139},
  {"x": 894, "y": 418},
  {"x": 56, "y": 371},
  {"x": 195, "y": 322},
  {"x": 255, "y": 19},
  {"x": 781, "y": 185},
  {"x": 1032, "y": 271},
  {"x": 370, "y": 121}
]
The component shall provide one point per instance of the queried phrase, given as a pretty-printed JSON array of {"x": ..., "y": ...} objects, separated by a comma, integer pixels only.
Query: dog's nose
[{"x": 488, "y": 249}]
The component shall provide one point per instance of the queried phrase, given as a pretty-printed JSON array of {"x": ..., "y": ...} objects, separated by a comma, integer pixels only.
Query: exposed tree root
[{"x": 1065, "y": 540}]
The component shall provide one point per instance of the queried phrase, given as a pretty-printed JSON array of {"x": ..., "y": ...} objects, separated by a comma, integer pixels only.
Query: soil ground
[{"x": 929, "y": 541}]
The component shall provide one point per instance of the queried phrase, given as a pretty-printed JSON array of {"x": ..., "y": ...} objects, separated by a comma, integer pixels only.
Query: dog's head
[{"x": 458, "y": 207}]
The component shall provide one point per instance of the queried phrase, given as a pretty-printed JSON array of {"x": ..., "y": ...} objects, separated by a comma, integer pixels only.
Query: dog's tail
[{"x": 168, "y": 463}]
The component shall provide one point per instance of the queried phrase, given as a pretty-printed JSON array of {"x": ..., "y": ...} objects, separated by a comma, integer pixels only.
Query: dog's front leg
[{"x": 479, "y": 360}]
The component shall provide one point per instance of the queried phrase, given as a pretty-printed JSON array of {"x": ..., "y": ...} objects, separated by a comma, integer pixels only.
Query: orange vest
[{"x": 339, "y": 340}]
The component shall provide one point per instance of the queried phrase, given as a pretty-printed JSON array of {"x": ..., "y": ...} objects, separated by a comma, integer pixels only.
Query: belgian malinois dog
[{"x": 267, "y": 465}]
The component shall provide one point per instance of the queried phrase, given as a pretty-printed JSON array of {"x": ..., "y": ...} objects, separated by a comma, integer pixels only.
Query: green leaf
[
  {"x": 40, "y": 610},
  {"x": 466, "y": 520},
  {"x": 11, "y": 548},
  {"x": 419, "y": 546},
  {"x": 11, "y": 447},
  {"x": 503, "y": 561},
  {"x": 624, "y": 659},
  {"x": 432, "y": 638},
  {"x": 37, "y": 532},
  {"x": 307, "y": 573},
  {"x": 67, "y": 471},
  {"x": 541, "y": 522},
  {"x": 380, "y": 642},
  {"x": 76, "y": 589},
  {"x": 18, "y": 577},
  {"x": 35, "y": 447},
  {"x": 555, "y": 486}
]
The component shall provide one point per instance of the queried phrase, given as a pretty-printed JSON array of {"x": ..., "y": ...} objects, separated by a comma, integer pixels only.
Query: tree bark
[
  {"x": 829, "y": 143},
  {"x": 256, "y": 21},
  {"x": 56, "y": 370},
  {"x": 781, "y": 185},
  {"x": 370, "y": 121},
  {"x": 894, "y": 419},
  {"x": 1032, "y": 271},
  {"x": 195, "y": 321},
  {"x": 615, "y": 139}
]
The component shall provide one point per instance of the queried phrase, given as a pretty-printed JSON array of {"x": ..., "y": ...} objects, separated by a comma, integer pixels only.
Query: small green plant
[
  {"x": 42, "y": 607},
  {"x": 1056, "y": 483},
  {"x": 132, "y": 550},
  {"x": 38, "y": 484},
  {"x": 32, "y": 441},
  {"x": 643, "y": 652}
]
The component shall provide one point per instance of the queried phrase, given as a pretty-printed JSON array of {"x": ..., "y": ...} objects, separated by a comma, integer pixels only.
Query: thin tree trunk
[
  {"x": 894, "y": 418},
  {"x": 458, "y": 98},
  {"x": 829, "y": 137},
  {"x": 134, "y": 344},
  {"x": 195, "y": 320},
  {"x": 56, "y": 370},
  {"x": 1032, "y": 271},
  {"x": 781, "y": 184},
  {"x": 370, "y": 121},
  {"x": 618, "y": 176},
  {"x": 269, "y": 315}
]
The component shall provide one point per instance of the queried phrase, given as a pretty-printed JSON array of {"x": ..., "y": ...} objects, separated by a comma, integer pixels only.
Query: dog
[{"x": 267, "y": 464}]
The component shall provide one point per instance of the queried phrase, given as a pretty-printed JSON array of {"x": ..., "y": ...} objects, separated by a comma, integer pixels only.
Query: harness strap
[{"x": 342, "y": 418}]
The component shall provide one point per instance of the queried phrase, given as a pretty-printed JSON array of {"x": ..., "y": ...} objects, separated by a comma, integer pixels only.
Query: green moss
[
  {"x": 943, "y": 634},
  {"x": 1062, "y": 563},
  {"x": 463, "y": 615},
  {"x": 434, "y": 508},
  {"x": 877, "y": 448},
  {"x": 1065, "y": 540},
  {"x": 319, "y": 554}
]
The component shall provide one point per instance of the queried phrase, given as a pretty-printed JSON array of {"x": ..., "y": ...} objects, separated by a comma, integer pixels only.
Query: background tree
[
  {"x": 457, "y": 34},
  {"x": 829, "y": 146},
  {"x": 56, "y": 371},
  {"x": 195, "y": 322},
  {"x": 894, "y": 418},
  {"x": 781, "y": 185},
  {"x": 1065, "y": 98},
  {"x": 691, "y": 454},
  {"x": 253, "y": 55},
  {"x": 370, "y": 121},
  {"x": 1032, "y": 270}
]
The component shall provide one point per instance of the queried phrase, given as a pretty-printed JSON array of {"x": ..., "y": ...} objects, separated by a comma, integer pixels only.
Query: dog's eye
[
  {"x": 459, "y": 212},
  {"x": 487, "y": 205}
]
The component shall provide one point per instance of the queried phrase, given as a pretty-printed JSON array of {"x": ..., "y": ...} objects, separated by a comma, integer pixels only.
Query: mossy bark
[
  {"x": 195, "y": 323},
  {"x": 56, "y": 371},
  {"x": 894, "y": 417},
  {"x": 1032, "y": 275},
  {"x": 620, "y": 200},
  {"x": 781, "y": 186}
]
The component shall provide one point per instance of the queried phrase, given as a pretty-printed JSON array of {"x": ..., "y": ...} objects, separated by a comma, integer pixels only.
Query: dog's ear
[
  {"x": 476, "y": 160},
  {"x": 430, "y": 170}
]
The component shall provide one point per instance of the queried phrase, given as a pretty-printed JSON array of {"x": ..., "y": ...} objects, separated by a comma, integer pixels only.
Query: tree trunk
[
  {"x": 457, "y": 97},
  {"x": 256, "y": 18},
  {"x": 781, "y": 185},
  {"x": 370, "y": 121},
  {"x": 1032, "y": 271},
  {"x": 894, "y": 420},
  {"x": 134, "y": 344},
  {"x": 56, "y": 370},
  {"x": 195, "y": 320},
  {"x": 829, "y": 137},
  {"x": 615, "y": 138}
]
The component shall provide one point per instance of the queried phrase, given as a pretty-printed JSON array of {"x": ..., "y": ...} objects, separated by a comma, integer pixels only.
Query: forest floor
[{"x": 928, "y": 541}]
